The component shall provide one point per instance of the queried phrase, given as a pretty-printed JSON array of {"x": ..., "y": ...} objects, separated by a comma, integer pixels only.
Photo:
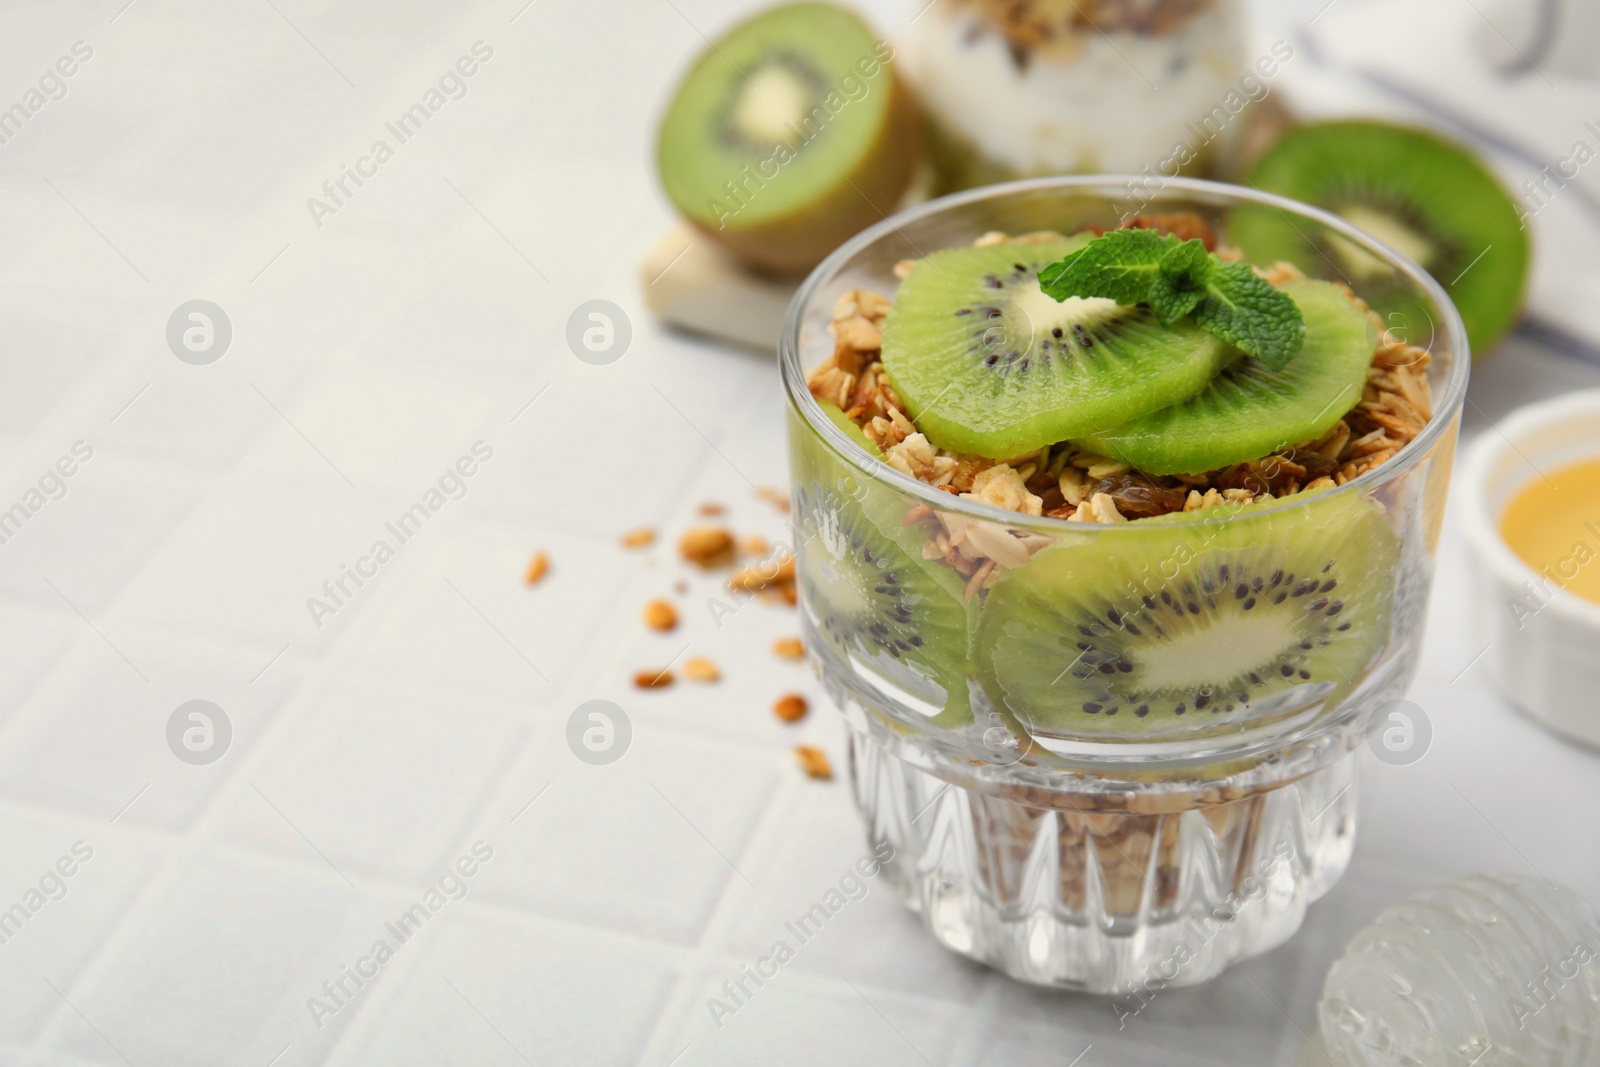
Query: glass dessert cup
[
  {"x": 1013, "y": 90},
  {"x": 1064, "y": 843}
]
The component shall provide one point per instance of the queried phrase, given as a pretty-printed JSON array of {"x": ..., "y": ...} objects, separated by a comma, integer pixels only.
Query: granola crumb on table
[
  {"x": 814, "y": 762},
  {"x": 639, "y": 538},
  {"x": 538, "y": 567},
  {"x": 707, "y": 546},
  {"x": 701, "y": 669},
  {"x": 661, "y": 616},
  {"x": 791, "y": 708},
  {"x": 653, "y": 678},
  {"x": 1063, "y": 482}
]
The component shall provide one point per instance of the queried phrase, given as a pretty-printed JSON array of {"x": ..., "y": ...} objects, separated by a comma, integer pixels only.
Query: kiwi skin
[{"x": 795, "y": 243}]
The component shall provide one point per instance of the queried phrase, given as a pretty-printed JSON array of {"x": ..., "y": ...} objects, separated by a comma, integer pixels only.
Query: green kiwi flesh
[
  {"x": 1187, "y": 627},
  {"x": 1250, "y": 410},
  {"x": 866, "y": 591},
  {"x": 987, "y": 364},
  {"x": 1424, "y": 196},
  {"x": 788, "y": 135}
]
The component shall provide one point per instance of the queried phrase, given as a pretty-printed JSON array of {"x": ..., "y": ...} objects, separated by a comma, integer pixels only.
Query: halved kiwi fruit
[
  {"x": 1250, "y": 410},
  {"x": 1190, "y": 626},
  {"x": 788, "y": 135},
  {"x": 865, "y": 588},
  {"x": 1422, "y": 195},
  {"x": 988, "y": 364}
]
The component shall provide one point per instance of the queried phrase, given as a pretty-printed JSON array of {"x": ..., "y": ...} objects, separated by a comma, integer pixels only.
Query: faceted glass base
[{"x": 1028, "y": 882}]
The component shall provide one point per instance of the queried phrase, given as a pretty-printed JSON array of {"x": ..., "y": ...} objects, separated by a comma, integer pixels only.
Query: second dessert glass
[{"x": 1080, "y": 850}]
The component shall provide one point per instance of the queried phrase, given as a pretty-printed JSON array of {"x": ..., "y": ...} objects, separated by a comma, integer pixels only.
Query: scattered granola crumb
[
  {"x": 814, "y": 762},
  {"x": 639, "y": 538},
  {"x": 791, "y": 708},
  {"x": 680, "y": 587},
  {"x": 538, "y": 567},
  {"x": 707, "y": 546},
  {"x": 776, "y": 497},
  {"x": 660, "y": 615},
  {"x": 789, "y": 648},
  {"x": 769, "y": 572},
  {"x": 711, "y": 509},
  {"x": 652, "y": 678},
  {"x": 754, "y": 545},
  {"x": 700, "y": 669}
]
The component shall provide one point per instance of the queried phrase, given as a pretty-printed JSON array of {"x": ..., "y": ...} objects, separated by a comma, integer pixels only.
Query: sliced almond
[
  {"x": 789, "y": 648},
  {"x": 997, "y": 544}
]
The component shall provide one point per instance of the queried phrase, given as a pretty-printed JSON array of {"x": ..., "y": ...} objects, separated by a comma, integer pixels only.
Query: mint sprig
[{"x": 1178, "y": 279}]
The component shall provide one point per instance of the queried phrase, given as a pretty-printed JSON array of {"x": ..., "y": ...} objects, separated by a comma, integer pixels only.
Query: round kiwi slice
[
  {"x": 988, "y": 364},
  {"x": 788, "y": 135},
  {"x": 1191, "y": 627},
  {"x": 866, "y": 590},
  {"x": 1250, "y": 410},
  {"x": 1423, "y": 196}
]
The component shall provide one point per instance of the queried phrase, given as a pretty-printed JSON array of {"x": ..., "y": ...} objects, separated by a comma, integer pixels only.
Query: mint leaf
[
  {"x": 1180, "y": 283},
  {"x": 1179, "y": 278},
  {"x": 1120, "y": 266},
  {"x": 1187, "y": 262},
  {"x": 1048, "y": 276},
  {"x": 1171, "y": 304},
  {"x": 1251, "y": 315}
]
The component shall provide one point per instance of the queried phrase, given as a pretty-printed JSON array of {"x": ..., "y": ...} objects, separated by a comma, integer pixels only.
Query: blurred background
[{"x": 242, "y": 346}]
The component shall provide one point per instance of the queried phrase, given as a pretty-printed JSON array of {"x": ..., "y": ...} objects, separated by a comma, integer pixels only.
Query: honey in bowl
[{"x": 1553, "y": 525}]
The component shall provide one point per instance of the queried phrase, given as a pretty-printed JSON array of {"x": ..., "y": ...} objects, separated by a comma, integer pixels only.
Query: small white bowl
[{"x": 1544, "y": 642}]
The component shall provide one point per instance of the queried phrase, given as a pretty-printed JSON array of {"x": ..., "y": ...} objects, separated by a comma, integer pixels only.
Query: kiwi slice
[
  {"x": 1181, "y": 627},
  {"x": 988, "y": 364},
  {"x": 866, "y": 590},
  {"x": 1423, "y": 196},
  {"x": 1250, "y": 410},
  {"x": 788, "y": 135}
]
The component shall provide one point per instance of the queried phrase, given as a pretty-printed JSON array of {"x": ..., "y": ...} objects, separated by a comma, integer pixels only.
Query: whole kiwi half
[
  {"x": 1192, "y": 625},
  {"x": 867, "y": 594},
  {"x": 789, "y": 134},
  {"x": 1426, "y": 197}
]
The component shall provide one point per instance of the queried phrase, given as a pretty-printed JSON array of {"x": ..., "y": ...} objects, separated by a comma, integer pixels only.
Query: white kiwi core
[
  {"x": 1390, "y": 231},
  {"x": 1033, "y": 312},
  {"x": 773, "y": 101},
  {"x": 832, "y": 573},
  {"x": 1226, "y": 646}
]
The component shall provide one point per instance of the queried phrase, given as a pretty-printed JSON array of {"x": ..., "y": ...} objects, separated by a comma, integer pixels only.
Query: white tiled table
[{"x": 429, "y": 711}]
